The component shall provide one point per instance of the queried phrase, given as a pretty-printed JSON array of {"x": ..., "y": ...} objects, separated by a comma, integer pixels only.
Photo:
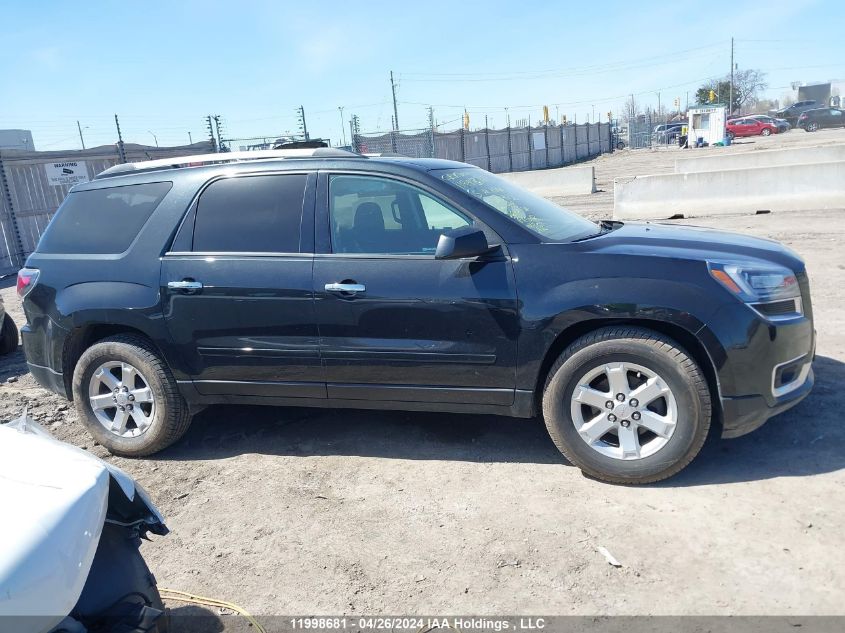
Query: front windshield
[{"x": 542, "y": 217}]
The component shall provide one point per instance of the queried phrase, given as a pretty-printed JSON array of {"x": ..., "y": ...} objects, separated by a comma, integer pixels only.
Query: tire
[
  {"x": 812, "y": 127},
  {"x": 766, "y": 132},
  {"x": 9, "y": 336},
  {"x": 167, "y": 414},
  {"x": 731, "y": 135},
  {"x": 652, "y": 354}
]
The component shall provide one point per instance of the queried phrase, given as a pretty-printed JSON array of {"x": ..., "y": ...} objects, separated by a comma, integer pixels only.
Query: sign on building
[{"x": 69, "y": 173}]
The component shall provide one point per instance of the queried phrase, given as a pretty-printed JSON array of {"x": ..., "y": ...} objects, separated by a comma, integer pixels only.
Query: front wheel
[
  {"x": 766, "y": 132},
  {"x": 627, "y": 405},
  {"x": 127, "y": 398},
  {"x": 812, "y": 127}
]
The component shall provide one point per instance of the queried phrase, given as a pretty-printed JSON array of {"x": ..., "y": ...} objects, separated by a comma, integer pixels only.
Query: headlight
[{"x": 771, "y": 290}]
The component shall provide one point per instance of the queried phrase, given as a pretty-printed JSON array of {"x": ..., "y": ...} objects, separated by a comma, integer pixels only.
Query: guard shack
[{"x": 706, "y": 123}]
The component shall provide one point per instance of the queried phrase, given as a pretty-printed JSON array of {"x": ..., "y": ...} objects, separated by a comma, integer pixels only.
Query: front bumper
[{"x": 744, "y": 414}]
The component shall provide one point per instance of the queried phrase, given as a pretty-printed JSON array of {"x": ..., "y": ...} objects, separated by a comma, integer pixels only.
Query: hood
[{"x": 693, "y": 243}]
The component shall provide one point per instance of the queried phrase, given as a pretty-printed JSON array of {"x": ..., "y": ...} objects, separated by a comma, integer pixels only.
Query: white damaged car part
[{"x": 69, "y": 558}]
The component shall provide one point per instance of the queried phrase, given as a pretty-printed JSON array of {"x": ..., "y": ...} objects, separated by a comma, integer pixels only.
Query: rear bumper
[
  {"x": 43, "y": 350},
  {"x": 48, "y": 378}
]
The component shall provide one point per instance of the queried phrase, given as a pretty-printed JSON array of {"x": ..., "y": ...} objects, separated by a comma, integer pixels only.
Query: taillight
[{"x": 27, "y": 278}]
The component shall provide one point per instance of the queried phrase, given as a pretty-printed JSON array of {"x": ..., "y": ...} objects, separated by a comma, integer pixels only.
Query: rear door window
[
  {"x": 251, "y": 214},
  {"x": 102, "y": 221}
]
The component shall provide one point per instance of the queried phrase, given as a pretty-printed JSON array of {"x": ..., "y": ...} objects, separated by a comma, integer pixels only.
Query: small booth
[{"x": 706, "y": 124}]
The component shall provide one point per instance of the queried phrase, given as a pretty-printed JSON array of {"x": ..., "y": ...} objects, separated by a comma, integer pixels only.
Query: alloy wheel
[
  {"x": 624, "y": 410},
  {"x": 121, "y": 399}
]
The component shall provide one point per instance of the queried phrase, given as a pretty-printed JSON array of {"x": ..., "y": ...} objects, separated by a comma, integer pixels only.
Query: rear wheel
[
  {"x": 627, "y": 405},
  {"x": 8, "y": 336},
  {"x": 127, "y": 397},
  {"x": 731, "y": 135}
]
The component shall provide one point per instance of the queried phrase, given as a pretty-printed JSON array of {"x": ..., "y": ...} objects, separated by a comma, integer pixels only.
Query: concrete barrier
[
  {"x": 783, "y": 188},
  {"x": 564, "y": 181},
  {"x": 766, "y": 158}
]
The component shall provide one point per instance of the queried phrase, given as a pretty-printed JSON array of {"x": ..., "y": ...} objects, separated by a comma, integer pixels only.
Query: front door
[
  {"x": 395, "y": 323},
  {"x": 237, "y": 288}
]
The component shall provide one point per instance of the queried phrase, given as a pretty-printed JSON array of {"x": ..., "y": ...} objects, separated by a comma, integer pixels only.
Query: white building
[{"x": 16, "y": 139}]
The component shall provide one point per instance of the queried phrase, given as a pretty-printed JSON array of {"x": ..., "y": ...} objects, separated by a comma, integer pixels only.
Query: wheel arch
[
  {"x": 83, "y": 337},
  {"x": 684, "y": 337}
]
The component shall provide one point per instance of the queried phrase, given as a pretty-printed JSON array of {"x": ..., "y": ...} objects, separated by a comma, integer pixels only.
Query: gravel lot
[{"x": 302, "y": 511}]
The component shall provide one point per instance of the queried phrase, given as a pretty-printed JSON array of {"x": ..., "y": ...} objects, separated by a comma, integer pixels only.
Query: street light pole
[
  {"x": 342, "y": 125},
  {"x": 81, "y": 140}
]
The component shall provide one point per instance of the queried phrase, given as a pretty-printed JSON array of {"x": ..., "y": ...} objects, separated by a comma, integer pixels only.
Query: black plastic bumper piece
[{"x": 744, "y": 414}]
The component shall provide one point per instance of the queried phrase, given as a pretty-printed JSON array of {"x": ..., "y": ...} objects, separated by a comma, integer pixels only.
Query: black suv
[
  {"x": 790, "y": 114},
  {"x": 818, "y": 118},
  {"x": 324, "y": 278}
]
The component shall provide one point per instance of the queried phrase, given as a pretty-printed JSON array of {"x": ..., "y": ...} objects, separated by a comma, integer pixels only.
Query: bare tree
[
  {"x": 631, "y": 109},
  {"x": 748, "y": 85}
]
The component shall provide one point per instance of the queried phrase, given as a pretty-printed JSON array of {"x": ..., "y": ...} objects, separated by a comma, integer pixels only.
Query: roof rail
[{"x": 198, "y": 160}]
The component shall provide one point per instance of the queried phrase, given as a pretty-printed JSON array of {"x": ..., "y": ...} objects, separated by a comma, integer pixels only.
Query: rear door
[
  {"x": 237, "y": 288},
  {"x": 833, "y": 118},
  {"x": 395, "y": 323}
]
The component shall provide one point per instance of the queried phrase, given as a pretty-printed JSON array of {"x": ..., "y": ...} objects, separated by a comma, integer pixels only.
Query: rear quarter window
[{"x": 102, "y": 221}]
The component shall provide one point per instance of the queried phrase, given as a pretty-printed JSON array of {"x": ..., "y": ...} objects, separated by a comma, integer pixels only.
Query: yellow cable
[{"x": 183, "y": 596}]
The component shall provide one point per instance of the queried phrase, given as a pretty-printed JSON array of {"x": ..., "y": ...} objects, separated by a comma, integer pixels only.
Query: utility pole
[
  {"x": 218, "y": 125},
  {"x": 658, "y": 105},
  {"x": 731, "y": 90},
  {"x": 303, "y": 127},
  {"x": 395, "y": 110},
  {"x": 210, "y": 127},
  {"x": 190, "y": 139},
  {"x": 342, "y": 124},
  {"x": 354, "y": 131},
  {"x": 81, "y": 140},
  {"x": 121, "y": 150}
]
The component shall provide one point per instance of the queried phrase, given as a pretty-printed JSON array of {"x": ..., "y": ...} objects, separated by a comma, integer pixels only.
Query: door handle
[
  {"x": 349, "y": 288},
  {"x": 185, "y": 284}
]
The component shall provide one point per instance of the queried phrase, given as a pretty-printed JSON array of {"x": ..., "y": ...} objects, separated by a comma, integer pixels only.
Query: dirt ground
[{"x": 298, "y": 511}]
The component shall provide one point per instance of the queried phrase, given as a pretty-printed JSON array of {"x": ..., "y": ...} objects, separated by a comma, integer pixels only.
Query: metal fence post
[
  {"x": 487, "y": 143},
  {"x": 546, "y": 143},
  {"x": 13, "y": 220},
  {"x": 510, "y": 148},
  {"x": 463, "y": 147},
  {"x": 393, "y": 141},
  {"x": 562, "y": 153},
  {"x": 530, "y": 147}
]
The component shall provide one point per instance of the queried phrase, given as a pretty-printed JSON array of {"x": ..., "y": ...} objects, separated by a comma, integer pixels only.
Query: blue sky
[{"x": 163, "y": 66}]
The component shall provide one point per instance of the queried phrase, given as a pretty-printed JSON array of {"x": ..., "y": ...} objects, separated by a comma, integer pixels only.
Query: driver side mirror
[{"x": 467, "y": 241}]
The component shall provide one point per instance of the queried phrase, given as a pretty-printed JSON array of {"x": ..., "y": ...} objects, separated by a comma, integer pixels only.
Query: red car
[{"x": 750, "y": 127}]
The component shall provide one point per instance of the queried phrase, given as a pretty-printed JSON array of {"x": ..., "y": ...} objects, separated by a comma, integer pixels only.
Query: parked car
[
  {"x": 666, "y": 133},
  {"x": 749, "y": 127},
  {"x": 813, "y": 120},
  {"x": 8, "y": 331},
  {"x": 70, "y": 561},
  {"x": 323, "y": 278},
  {"x": 791, "y": 113},
  {"x": 782, "y": 125}
]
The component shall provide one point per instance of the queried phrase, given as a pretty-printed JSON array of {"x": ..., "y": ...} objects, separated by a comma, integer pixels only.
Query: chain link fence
[
  {"x": 498, "y": 151},
  {"x": 651, "y": 131}
]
